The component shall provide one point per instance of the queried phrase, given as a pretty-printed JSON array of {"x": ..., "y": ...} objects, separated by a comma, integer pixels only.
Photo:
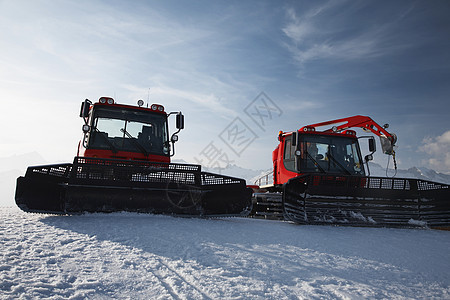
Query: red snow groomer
[
  {"x": 320, "y": 177},
  {"x": 123, "y": 164}
]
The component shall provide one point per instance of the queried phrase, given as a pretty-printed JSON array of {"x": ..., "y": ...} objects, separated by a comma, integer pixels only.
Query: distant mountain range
[{"x": 414, "y": 172}]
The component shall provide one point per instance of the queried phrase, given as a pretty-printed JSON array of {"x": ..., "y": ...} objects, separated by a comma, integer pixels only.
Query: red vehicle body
[
  {"x": 336, "y": 149},
  {"x": 117, "y": 131}
]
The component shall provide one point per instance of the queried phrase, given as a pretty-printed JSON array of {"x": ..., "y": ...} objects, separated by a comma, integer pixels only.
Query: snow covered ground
[{"x": 127, "y": 255}]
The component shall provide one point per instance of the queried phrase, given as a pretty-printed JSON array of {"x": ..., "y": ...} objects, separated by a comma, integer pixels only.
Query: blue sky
[{"x": 315, "y": 60}]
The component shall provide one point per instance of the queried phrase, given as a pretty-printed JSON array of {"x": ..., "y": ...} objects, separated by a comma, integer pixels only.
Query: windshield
[
  {"x": 121, "y": 129},
  {"x": 330, "y": 154}
]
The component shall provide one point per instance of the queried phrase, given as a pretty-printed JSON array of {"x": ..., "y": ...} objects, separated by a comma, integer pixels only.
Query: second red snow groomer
[{"x": 320, "y": 177}]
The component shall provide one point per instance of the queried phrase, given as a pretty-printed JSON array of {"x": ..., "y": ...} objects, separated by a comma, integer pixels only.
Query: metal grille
[
  {"x": 399, "y": 184},
  {"x": 112, "y": 171},
  {"x": 61, "y": 170},
  {"x": 373, "y": 183},
  {"x": 135, "y": 171},
  {"x": 376, "y": 182},
  {"x": 386, "y": 183},
  {"x": 423, "y": 185},
  {"x": 214, "y": 179}
]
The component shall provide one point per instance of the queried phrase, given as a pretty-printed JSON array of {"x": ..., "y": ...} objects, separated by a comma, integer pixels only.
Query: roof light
[
  {"x": 334, "y": 128},
  {"x": 140, "y": 102},
  {"x": 350, "y": 132},
  {"x": 105, "y": 100},
  {"x": 308, "y": 129},
  {"x": 157, "y": 107}
]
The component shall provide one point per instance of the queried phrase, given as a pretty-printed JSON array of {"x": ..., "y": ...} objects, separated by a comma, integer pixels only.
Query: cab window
[{"x": 289, "y": 154}]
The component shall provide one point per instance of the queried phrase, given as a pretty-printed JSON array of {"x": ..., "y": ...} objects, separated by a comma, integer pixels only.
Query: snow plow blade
[
  {"x": 106, "y": 185},
  {"x": 366, "y": 201}
]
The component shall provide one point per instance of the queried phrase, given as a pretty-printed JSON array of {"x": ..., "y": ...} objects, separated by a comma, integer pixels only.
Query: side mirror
[
  {"x": 180, "y": 121},
  {"x": 84, "y": 112},
  {"x": 372, "y": 145}
]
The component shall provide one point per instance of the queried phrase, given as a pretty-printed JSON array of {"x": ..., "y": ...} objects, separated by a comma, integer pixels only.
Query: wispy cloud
[
  {"x": 102, "y": 39},
  {"x": 108, "y": 48},
  {"x": 208, "y": 102},
  {"x": 309, "y": 39}
]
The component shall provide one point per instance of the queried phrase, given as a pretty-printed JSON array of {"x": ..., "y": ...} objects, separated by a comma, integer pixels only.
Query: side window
[
  {"x": 287, "y": 149},
  {"x": 289, "y": 152}
]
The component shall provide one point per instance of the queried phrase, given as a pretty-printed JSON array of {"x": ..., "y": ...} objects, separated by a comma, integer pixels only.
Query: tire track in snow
[{"x": 173, "y": 286}]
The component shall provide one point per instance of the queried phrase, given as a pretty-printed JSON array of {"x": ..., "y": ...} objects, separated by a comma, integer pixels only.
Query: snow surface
[{"x": 128, "y": 255}]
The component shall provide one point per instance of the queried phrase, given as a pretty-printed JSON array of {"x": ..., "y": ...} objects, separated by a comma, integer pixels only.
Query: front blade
[
  {"x": 366, "y": 201},
  {"x": 101, "y": 185}
]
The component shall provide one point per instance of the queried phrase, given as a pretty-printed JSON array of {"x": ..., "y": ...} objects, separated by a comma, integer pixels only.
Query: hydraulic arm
[{"x": 387, "y": 139}]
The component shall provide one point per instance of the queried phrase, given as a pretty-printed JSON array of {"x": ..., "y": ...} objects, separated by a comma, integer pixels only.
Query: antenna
[{"x": 148, "y": 97}]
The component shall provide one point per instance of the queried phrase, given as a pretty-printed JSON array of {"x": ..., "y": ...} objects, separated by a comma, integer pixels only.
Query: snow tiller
[
  {"x": 320, "y": 177},
  {"x": 123, "y": 164}
]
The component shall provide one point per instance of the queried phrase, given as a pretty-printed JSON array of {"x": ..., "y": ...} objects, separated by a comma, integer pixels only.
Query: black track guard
[
  {"x": 103, "y": 185},
  {"x": 366, "y": 201}
]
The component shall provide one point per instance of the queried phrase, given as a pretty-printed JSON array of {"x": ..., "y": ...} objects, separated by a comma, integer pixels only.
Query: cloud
[
  {"x": 297, "y": 29},
  {"x": 324, "y": 32},
  {"x": 438, "y": 152},
  {"x": 72, "y": 40},
  {"x": 209, "y": 102}
]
